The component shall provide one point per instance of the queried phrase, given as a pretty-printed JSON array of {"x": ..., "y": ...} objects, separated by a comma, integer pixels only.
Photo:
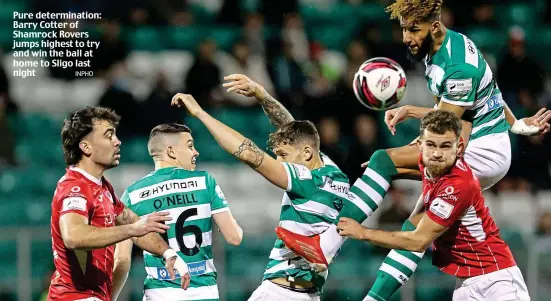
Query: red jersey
[
  {"x": 471, "y": 246},
  {"x": 83, "y": 274}
]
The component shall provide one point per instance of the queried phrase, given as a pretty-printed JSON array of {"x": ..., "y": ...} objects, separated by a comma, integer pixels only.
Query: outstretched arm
[
  {"x": 236, "y": 144},
  {"x": 416, "y": 241},
  {"x": 274, "y": 110}
]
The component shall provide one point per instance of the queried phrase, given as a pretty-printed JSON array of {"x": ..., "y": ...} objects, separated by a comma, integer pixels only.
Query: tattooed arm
[
  {"x": 236, "y": 144},
  {"x": 273, "y": 109}
]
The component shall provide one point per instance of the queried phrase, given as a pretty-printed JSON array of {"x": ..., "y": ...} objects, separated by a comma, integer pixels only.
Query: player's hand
[
  {"x": 350, "y": 228},
  {"x": 153, "y": 222},
  {"x": 187, "y": 101},
  {"x": 242, "y": 84},
  {"x": 176, "y": 264},
  {"x": 395, "y": 116},
  {"x": 540, "y": 120}
]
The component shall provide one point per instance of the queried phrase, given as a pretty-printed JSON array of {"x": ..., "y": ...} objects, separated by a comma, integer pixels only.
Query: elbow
[
  {"x": 71, "y": 243},
  {"x": 122, "y": 264},
  {"x": 236, "y": 239},
  {"x": 420, "y": 246}
]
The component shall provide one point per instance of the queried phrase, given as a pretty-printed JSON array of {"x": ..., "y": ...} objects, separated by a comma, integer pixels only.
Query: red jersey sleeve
[
  {"x": 75, "y": 199},
  {"x": 450, "y": 201}
]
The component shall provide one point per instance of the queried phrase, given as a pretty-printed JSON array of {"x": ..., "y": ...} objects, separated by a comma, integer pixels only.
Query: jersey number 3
[{"x": 182, "y": 230}]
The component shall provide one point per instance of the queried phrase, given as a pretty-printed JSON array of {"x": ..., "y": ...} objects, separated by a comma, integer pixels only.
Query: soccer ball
[{"x": 380, "y": 83}]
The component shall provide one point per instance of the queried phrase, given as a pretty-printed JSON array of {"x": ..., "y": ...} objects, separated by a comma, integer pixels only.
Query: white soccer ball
[{"x": 380, "y": 83}]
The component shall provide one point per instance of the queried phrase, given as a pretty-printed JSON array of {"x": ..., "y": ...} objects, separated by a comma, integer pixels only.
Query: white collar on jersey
[{"x": 87, "y": 175}]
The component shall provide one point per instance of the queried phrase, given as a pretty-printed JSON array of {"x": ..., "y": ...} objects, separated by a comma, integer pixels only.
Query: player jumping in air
[
  {"x": 193, "y": 199},
  {"x": 462, "y": 83},
  {"x": 314, "y": 187},
  {"x": 87, "y": 217},
  {"x": 466, "y": 239}
]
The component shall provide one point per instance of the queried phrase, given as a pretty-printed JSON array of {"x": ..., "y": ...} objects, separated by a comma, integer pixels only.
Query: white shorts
[
  {"x": 503, "y": 285},
  {"x": 178, "y": 294},
  {"x": 489, "y": 157},
  {"x": 269, "y": 291}
]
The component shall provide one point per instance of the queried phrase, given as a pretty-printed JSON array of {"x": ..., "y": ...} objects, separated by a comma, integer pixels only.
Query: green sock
[
  {"x": 370, "y": 189},
  {"x": 395, "y": 271}
]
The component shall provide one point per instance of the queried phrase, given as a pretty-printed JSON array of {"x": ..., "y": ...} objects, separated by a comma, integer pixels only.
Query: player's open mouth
[{"x": 193, "y": 160}]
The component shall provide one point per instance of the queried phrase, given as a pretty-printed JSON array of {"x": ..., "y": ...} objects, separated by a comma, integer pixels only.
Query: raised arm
[
  {"x": 236, "y": 144},
  {"x": 274, "y": 110}
]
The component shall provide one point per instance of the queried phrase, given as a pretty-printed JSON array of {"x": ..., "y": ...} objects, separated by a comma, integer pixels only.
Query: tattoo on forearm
[
  {"x": 275, "y": 111},
  {"x": 249, "y": 147}
]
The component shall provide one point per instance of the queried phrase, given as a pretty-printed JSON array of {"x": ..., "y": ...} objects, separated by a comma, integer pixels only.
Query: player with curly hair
[{"x": 462, "y": 82}]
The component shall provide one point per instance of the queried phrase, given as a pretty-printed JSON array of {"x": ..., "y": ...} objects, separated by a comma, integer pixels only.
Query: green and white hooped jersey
[
  {"x": 459, "y": 75},
  {"x": 191, "y": 198},
  {"x": 311, "y": 203}
]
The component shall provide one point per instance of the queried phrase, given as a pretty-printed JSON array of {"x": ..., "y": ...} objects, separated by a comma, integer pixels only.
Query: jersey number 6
[{"x": 182, "y": 230}]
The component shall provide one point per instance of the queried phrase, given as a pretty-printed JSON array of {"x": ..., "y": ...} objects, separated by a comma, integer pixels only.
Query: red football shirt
[
  {"x": 83, "y": 274},
  {"x": 471, "y": 246}
]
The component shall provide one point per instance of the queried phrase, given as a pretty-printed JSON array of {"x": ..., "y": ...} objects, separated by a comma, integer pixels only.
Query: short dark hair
[
  {"x": 295, "y": 132},
  {"x": 79, "y": 124},
  {"x": 164, "y": 129},
  {"x": 440, "y": 121},
  {"x": 169, "y": 128}
]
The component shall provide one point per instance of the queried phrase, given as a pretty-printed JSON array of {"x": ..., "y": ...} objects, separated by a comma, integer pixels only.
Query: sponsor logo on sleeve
[
  {"x": 303, "y": 173},
  {"x": 441, "y": 208},
  {"x": 74, "y": 203},
  {"x": 459, "y": 87}
]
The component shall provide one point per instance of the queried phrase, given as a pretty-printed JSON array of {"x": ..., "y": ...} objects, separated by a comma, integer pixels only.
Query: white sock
[
  {"x": 369, "y": 298},
  {"x": 330, "y": 242}
]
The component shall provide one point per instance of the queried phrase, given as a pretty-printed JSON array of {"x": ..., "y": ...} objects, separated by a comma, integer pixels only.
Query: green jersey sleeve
[
  {"x": 299, "y": 180},
  {"x": 125, "y": 198},
  {"x": 218, "y": 201},
  {"x": 460, "y": 85}
]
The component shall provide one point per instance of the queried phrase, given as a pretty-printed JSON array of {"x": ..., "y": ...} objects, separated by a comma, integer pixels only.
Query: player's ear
[
  {"x": 85, "y": 147},
  {"x": 307, "y": 153},
  {"x": 436, "y": 27},
  {"x": 460, "y": 147},
  {"x": 170, "y": 152},
  {"x": 420, "y": 144}
]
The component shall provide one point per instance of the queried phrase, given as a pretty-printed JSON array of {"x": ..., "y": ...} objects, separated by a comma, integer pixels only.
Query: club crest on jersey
[{"x": 384, "y": 82}]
